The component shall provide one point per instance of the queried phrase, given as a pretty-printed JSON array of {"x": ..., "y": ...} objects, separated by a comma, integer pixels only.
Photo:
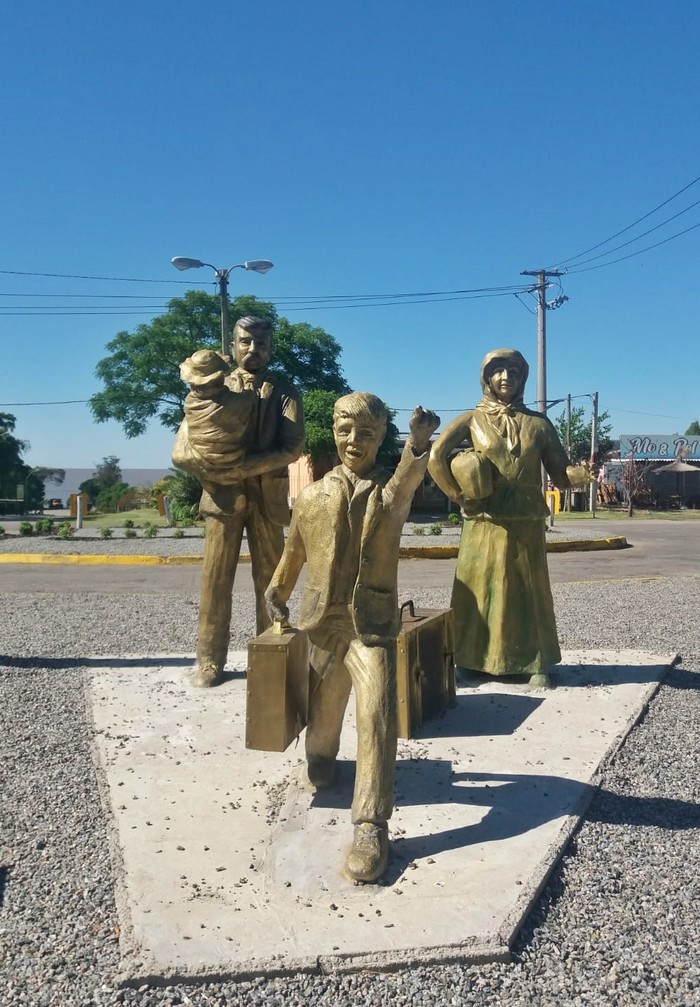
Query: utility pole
[
  {"x": 568, "y": 443},
  {"x": 594, "y": 450},
  {"x": 542, "y": 307}
]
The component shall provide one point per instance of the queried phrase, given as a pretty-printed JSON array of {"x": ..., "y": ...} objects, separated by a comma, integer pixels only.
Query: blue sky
[{"x": 366, "y": 148}]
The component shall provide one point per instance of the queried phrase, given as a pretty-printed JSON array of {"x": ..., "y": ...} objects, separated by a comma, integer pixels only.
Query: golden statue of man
[
  {"x": 347, "y": 529},
  {"x": 504, "y": 613},
  {"x": 241, "y": 431}
]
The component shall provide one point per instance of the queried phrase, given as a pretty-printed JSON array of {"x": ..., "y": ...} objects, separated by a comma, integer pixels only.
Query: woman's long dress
[{"x": 504, "y": 614}]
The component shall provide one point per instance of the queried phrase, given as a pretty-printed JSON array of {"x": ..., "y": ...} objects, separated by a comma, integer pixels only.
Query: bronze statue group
[{"x": 241, "y": 431}]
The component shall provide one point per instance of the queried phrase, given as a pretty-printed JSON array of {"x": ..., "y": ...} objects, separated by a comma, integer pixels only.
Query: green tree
[
  {"x": 141, "y": 374},
  {"x": 14, "y": 471},
  {"x": 108, "y": 472},
  {"x": 581, "y": 434},
  {"x": 318, "y": 424},
  {"x": 90, "y": 486},
  {"x": 107, "y": 500},
  {"x": 184, "y": 492},
  {"x": 694, "y": 429}
]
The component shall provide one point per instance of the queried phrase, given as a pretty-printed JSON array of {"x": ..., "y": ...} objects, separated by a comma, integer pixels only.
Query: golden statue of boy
[{"x": 347, "y": 528}]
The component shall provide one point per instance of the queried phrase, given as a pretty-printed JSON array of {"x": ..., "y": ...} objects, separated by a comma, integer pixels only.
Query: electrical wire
[
  {"x": 639, "y": 251},
  {"x": 526, "y": 306},
  {"x": 629, "y": 227},
  {"x": 639, "y": 236},
  {"x": 107, "y": 310},
  {"x": 65, "y": 402}
]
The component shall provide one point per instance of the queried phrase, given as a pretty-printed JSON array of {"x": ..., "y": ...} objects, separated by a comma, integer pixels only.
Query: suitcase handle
[
  {"x": 412, "y": 617},
  {"x": 279, "y": 626}
]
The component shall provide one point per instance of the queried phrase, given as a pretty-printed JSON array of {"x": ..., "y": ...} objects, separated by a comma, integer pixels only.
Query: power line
[
  {"x": 526, "y": 306},
  {"x": 64, "y": 402},
  {"x": 617, "y": 234},
  {"x": 133, "y": 297},
  {"x": 639, "y": 251},
  {"x": 76, "y": 276},
  {"x": 34, "y": 311},
  {"x": 639, "y": 236},
  {"x": 315, "y": 298}
]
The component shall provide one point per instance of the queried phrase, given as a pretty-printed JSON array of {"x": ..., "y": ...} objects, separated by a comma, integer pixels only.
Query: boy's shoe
[
  {"x": 321, "y": 772},
  {"x": 369, "y": 853},
  {"x": 205, "y": 675}
]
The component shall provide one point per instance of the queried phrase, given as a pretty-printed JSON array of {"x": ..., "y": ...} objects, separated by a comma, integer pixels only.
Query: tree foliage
[
  {"x": 14, "y": 470},
  {"x": 110, "y": 497},
  {"x": 141, "y": 374},
  {"x": 108, "y": 472},
  {"x": 184, "y": 491},
  {"x": 693, "y": 430},
  {"x": 318, "y": 424},
  {"x": 580, "y": 449}
]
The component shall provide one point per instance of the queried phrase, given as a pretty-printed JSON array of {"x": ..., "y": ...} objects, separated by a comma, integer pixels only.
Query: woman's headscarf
[{"x": 501, "y": 414}]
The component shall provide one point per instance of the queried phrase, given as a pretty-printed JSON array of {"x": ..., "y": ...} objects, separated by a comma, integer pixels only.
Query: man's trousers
[{"x": 222, "y": 548}]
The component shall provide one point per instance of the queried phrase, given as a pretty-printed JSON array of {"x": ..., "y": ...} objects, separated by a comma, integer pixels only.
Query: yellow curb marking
[{"x": 406, "y": 552}]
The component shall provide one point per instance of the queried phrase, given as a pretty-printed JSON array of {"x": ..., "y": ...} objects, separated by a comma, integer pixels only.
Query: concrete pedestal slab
[{"x": 228, "y": 864}]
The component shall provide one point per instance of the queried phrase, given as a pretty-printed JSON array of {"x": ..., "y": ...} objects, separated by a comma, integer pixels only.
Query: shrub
[
  {"x": 186, "y": 522},
  {"x": 44, "y": 525},
  {"x": 436, "y": 529},
  {"x": 2, "y": 531},
  {"x": 178, "y": 533},
  {"x": 128, "y": 523},
  {"x": 65, "y": 530},
  {"x": 454, "y": 518},
  {"x": 418, "y": 529},
  {"x": 183, "y": 491},
  {"x": 150, "y": 530},
  {"x": 26, "y": 528},
  {"x": 105, "y": 532},
  {"x": 130, "y": 533}
]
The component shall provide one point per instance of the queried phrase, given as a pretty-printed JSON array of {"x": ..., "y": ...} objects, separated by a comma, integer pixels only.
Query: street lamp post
[{"x": 222, "y": 275}]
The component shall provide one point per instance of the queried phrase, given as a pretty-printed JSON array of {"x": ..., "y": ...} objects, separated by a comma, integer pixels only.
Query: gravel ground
[{"x": 618, "y": 923}]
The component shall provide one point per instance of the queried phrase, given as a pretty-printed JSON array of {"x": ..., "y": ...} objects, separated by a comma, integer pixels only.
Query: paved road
[{"x": 659, "y": 549}]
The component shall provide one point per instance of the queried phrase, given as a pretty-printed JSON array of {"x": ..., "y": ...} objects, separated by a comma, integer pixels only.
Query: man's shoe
[
  {"x": 205, "y": 675},
  {"x": 321, "y": 772},
  {"x": 369, "y": 854}
]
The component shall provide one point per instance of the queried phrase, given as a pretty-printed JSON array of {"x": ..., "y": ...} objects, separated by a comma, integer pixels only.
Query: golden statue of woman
[{"x": 504, "y": 614}]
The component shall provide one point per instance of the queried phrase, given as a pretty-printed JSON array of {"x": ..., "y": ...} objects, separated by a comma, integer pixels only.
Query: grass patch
[{"x": 139, "y": 517}]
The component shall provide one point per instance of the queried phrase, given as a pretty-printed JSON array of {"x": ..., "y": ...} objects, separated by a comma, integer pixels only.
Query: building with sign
[{"x": 671, "y": 466}]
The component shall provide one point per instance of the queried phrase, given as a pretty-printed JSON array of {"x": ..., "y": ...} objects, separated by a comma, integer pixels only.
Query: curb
[
  {"x": 570, "y": 545},
  {"x": 589, "y": 544},
  {"x": 96, "y": 559},
  {"x": 406, "y": 552}
]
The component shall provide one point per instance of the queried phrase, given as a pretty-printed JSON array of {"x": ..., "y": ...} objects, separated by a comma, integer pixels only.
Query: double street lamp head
[
  {"x": 255, "y": 265},
  {"x": 222, "y": 275}
]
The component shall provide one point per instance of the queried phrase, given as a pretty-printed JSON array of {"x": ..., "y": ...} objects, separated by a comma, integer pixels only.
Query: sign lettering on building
[{"x": 665, "y": 447}]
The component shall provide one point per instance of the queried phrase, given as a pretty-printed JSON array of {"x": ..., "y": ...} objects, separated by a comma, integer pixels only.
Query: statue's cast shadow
[{"x": 514, "y": 803}]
